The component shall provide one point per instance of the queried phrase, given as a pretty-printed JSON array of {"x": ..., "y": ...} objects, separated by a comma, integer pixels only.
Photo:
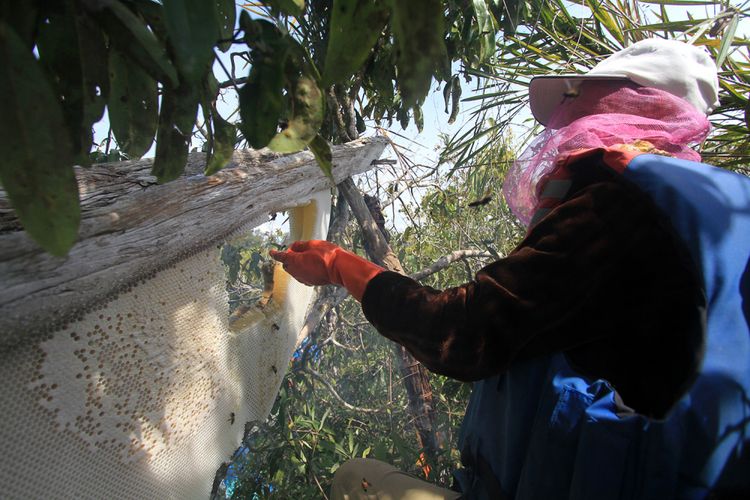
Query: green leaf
[
  {"x": 726, "y": 40},
  {"x": 486, "y": 30},
  {"x": 350, "y": 40},
  {"x": 224, "y": 139},
  {"x": 294, "y": 8},
  {"x": 308, "y": 108},
  {"x": 418, "y": 118},
  {"x": 456, "y": 97},
  {"x": 194, "y": 29},
  {"x": 129, "y": 34},
  {"x": 176, "y": 120},
  {"x": 680, "y": 2},
  {"x": 153, "y": 14},
  {"x": 418, "y": 31},
  {"x": 261, "y": 103},
  {"x": 360, "y": 122},
  {"x": 36, "y": 161},
  {"x": 226, "y": 10},
  {"x": 133, "y": 105},
  {"x": 322, "y": 152},
  {"x": 447, "y": 93},
  {"x": 23, "y": 16},
  {"x": 60, "y": 52}
]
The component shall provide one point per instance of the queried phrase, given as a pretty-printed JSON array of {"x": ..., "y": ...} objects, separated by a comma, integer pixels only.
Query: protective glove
[{"x": 317, "y": 262}]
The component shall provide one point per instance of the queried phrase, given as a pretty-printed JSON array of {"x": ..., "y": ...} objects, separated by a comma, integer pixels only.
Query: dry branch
[
  {"x": 415, "y": 376},
  {"x": 336, "y": 395},
  {"x": 131, "y": 227},
  {"x": 447, "y": 260}
]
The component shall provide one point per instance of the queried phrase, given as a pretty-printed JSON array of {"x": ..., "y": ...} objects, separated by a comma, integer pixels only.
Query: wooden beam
[{"x": 131, "y": 227}]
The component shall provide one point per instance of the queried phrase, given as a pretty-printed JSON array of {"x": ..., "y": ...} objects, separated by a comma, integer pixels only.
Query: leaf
[
  {"x": 72, "y": 49},
  {"x": 402, "y": 115},
  {"x": 133, "y": 105},
  {"x": 322, "y": 152},
  {"x": 726, "y": 40},
  {"x": 418, "y": 118},
  {"x": 153, "y": 14},
  {"x": 179, "y": 108},
  {"x": 226, "y": 10},
  {"x": 350, "y": 40},
  {"x": 93, "y": 53},
  {"x": 58, "y": 47},
  {"x": 36, "y": 166},
  {"x": 511, "y": 12},
  {"x": 294, "y": 8},
  {"x": 382, "y": 73},
  {"x": 447, "y": 93},
  {"x": 194, "y": 29},
  {"x": 308, "y": 107},
  {"x": 456, "y": 97},
  {"x": 418, "y": 31},
  {"x": 23, "y": 16},
  {"x": 129, "y": 34},
  {"x": 261, "y": 103},
  {"x": 360, "y": 122},
  {"x": 486, "y": 30},
  {"x": 224, "y": 139}
]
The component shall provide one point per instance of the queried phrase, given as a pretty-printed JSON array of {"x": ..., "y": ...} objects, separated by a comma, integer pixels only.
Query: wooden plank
[{"x": 131, "y": 227}]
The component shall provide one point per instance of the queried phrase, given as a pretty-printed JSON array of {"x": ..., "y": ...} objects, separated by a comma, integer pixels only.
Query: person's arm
[{"x": 515, "y": 305}]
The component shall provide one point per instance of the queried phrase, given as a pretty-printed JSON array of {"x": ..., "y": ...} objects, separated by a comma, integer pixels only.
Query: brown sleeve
[{"x": 528, "y": 303}]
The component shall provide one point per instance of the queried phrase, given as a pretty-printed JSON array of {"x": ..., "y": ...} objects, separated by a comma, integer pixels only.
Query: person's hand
[
  {"x": 309, "y": 262},
  {"x": 318, "y": 262}
]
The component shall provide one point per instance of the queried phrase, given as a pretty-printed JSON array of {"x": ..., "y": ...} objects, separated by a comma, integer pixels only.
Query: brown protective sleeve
[{"x": 601, "y": 278}]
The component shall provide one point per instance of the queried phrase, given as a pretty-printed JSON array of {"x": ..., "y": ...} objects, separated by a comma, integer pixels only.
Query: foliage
[
  {"x": 151, "y": 64},
  {"x": 465, "y": 211},
  {"x": 243, "y": 259}
]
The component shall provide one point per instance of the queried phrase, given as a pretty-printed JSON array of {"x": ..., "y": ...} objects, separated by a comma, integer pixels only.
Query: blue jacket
[{"x": 543, "y": 431}]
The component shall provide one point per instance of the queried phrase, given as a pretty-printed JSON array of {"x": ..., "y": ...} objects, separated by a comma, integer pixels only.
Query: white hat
[{"x": 678, "y": 68}]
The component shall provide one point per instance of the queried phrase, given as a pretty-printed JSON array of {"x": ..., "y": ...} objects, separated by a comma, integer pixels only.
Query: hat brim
[{"x": 547, "y": 92}]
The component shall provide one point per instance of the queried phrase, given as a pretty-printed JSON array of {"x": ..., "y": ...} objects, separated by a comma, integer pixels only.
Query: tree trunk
[
  {"x": 131, "y": 227},
  {"x": 415, "y": 376}
]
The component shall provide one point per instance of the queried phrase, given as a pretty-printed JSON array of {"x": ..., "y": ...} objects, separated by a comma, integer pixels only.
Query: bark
[
  {"x": 415, "y": 376},
  {"x": 131, "y": 227},
  {"x": 447, "y": 260}
]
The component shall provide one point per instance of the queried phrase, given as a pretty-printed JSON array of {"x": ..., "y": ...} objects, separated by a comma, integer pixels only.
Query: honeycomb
[{"x": 146, "y": 396}]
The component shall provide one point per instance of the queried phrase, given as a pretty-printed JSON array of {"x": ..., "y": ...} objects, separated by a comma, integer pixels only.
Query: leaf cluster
[{"x": 149, "y": 63}]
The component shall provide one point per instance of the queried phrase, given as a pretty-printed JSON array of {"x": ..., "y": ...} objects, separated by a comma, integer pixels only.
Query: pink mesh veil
[{"x": 605, "y": 113}]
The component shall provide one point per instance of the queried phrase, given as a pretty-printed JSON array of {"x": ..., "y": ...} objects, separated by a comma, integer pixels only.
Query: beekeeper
[{"x": 611, "y": 348}]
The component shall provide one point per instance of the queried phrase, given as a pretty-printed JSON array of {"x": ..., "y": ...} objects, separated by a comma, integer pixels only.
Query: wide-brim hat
[{"x": 681, "y": 69}]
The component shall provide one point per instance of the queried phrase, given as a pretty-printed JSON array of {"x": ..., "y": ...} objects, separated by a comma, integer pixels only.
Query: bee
[
  {"x": 480, "y": 202},
  {"x": 365, "y": 484},
  {"x": 231, "y": 419},
  {"x": 274, "y": 369},
  {"x": 571, "y": 92},
  {"x": 275, "y": 327}
]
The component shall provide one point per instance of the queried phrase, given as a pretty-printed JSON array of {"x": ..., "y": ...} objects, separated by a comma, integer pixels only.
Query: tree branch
[
  {"x": 335, "y": 394},
  {"x": 416, "y": 378},
  {"x": 447, "y": 260}
]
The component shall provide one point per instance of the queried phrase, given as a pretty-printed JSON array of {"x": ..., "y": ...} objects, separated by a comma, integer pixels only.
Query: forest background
[{"x": 164, "y": 77}]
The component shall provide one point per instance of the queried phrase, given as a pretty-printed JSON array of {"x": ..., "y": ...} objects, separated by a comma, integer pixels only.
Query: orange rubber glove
[{"x": 317, "y": 262}]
